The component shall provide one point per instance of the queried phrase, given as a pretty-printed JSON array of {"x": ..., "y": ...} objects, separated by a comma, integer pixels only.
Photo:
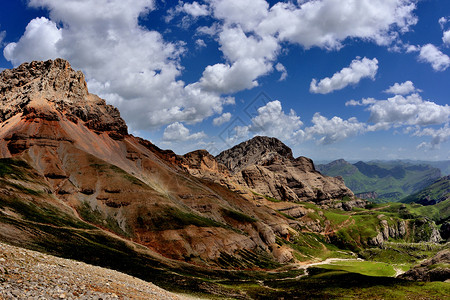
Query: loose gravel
[{"x": 26, "y": 274}]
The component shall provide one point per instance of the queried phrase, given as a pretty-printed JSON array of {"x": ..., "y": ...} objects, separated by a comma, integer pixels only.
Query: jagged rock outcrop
[
  {"x": 267, "y": 166},
  {"x": 367, "y": 195},
  {"x": 52, "y": 90},
  {"x": 436, "y": 268},
  {"x": 396, "y": 230},
  {"x": 417, "y": 230},
  {"x": 256, "y": 151}
]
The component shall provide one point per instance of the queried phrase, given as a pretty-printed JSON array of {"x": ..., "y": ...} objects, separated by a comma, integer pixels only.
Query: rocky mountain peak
[
  {"x": 255, "y": 151},
  {"x": 53, "y": 90},
  {"x": 338, "y": 162}
]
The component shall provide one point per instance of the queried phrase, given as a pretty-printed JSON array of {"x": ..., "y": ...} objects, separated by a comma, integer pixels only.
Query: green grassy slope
[{"x": 437, "y": 192}]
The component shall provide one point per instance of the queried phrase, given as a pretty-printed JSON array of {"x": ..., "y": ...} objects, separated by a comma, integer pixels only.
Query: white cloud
[
  {"x": 224, "y": 118},
  {"x": 438, "y": 60},
  {"x": 249, "y": 57},
  {"x": 358, "y": 69},
  {"x": 209, "y": 30},
  {"x": 200, "y": 43},
  {"x": 195, "y": 9},
  {"x": 176, "y": 132},
  {"x": 190, "y": 12},
  {"x": 404, "y": 88},
  {"x": 333, "y": 130},
  {"x": 446, "y": 37},
  {"x": 438, "y": 136},
  {"x": 226, "y": 78},
  {"x": 412, "y": 48},
  {"x": 247, "y": 14},
  {"x": 410, "y": 110},
  {"x": 271, "y": 120},
  {"x": 130, "y": 66},
  {"x": 442, "y": 21},
  {"x": 365, "y": 101},
  {"x": 37, "y": 43},
  {"x": 280, "y": 68},
  {"x": 328, "y": 23}
]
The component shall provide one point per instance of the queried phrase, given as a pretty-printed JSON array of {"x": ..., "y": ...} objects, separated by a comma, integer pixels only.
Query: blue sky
[{"x": 353, "y": 79}]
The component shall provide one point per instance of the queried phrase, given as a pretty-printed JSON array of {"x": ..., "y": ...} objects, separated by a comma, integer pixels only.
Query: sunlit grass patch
[{"x": 368, "y": 268}]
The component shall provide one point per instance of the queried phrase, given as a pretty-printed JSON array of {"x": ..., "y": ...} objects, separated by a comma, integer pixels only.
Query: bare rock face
[
  {"x": 52, "y": 90},
  {"x": 436, "y": 268},
  {"x": 257, "y": 151},
  {"x": 267, "y": 166},
  {"x": 202, "y": 164}
]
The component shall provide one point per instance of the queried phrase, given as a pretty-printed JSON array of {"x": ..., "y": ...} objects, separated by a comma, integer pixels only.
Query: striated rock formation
[
  {"x": 52, "y": 90},
  {"x": 267, "y": 166}
]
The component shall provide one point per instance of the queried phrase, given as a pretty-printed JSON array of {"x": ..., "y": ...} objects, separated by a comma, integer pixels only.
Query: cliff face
[
  {"x": 415, "y": 231},
  {"x": 52, "y": 91},
  {"x": 267, "y": 166}
]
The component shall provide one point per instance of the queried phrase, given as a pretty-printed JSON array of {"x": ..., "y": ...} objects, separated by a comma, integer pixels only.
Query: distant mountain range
[
  {"x": 383, "y": 180},
  {"x": 443, "y": 165}
]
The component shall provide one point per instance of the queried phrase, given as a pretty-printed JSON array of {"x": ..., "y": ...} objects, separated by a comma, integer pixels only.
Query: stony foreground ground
[{"x": 26, "y": 274}]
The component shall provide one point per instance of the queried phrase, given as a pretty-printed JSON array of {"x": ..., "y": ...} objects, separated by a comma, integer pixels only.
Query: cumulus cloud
[
  {"x": 271, "y": 120},
  {"x": 404, "y": 88},
  {"x": 247, "y": 14},
  {"x": 328, "y": 23},
  {"x": 194, "y": 9},
  {"x": 412, "y": 48},
  {"x": 438, "y": 60},
  {"x": 224, "y": 118},
  {"x": 410, "y": 110},
  {"x": 446, "y": 37},
  {"x": 248, "y": 56},
  {"x": 37, "y": 43},
  {"x": 177, "y": 132},
  {"x": 189, "y": 11},
  {"x": 332, "y": 130},
  {"x": 358, "y": 69},
  {"x": 226, "y": 78},
  {"x": 200, "y": 43},
  {"x": 365, "y": 101},
  {"x": 442, "y": 21},
  {"x": 438, "y": 136},
  {"x": 280, "y": 68}
]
